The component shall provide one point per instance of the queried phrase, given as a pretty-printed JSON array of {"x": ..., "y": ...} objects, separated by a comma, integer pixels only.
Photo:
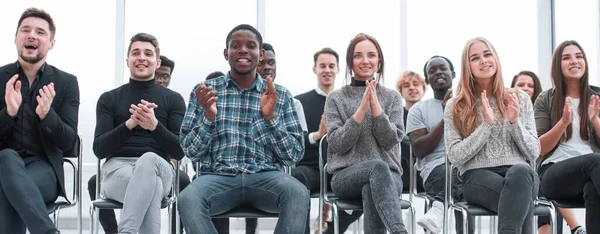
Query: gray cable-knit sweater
[
  {"x": 375, "y": 138},
  {"x": 500, "y": 144}
]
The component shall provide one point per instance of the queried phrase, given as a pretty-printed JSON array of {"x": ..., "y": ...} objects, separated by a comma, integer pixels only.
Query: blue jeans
[{"x": 272, "y": 191}]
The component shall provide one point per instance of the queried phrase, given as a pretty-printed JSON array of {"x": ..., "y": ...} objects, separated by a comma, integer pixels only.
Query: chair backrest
[
  {"x": 323, "y": 188},
  {"x": 74, "y": 152}
]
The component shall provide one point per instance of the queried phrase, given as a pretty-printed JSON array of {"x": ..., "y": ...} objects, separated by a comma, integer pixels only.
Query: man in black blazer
[{"x": 38, "y": 125}]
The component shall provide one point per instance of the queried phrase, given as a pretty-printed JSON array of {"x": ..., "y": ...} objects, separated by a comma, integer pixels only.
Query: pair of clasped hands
[
  {"x": 13, "y": 98},
  {"x": 207, "y": 98},
  {"x": 142, "y": 115},
  {"x": 369, "y": 102}
]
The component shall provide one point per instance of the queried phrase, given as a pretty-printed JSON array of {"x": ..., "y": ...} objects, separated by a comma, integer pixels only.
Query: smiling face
[
  {"x": 33, "y": 40},
  {"x": 482, "y": 61},
  {"x": 326, "y": 69},
  {"x": 572, "y": 63},
  {"x": 268, "y": 65},
  {"x": 412, "y": 91},
  {"x": 525, "y": 83},
  {"x": 439, "y": 75},
  {"x": 243, "y": 52},
  {"x": 142, "y": 61},
  {"x": 365, "y": 60}
]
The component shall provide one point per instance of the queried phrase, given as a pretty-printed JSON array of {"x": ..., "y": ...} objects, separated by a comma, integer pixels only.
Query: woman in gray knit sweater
[
  {"x": 491, "y": 138},
  {"x": 568, "y": 123},
  {"x": 364, "y": 127}
]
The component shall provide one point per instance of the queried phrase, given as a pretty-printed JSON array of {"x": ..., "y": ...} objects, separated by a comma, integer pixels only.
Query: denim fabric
[
  {"x": 379, "y": 188},
  {"x": 271, "y": 191},
  {"x": 508, "y": 190}
]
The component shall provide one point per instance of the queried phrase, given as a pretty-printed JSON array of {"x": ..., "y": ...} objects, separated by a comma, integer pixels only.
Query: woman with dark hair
[
  {"x": 529, "y": 83},
  {"x": 364, "y": 127},
  {"x": 568, "y": 123}
]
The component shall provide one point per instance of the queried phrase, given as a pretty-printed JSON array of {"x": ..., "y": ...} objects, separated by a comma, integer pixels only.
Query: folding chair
[
  {"x": 105, "y": 203},
  {"x": 55, "y": 208},
  {"x": 345, "y": 204},
  {"x": 413, "y": 185},
  {"x": 541, "y": 208}
]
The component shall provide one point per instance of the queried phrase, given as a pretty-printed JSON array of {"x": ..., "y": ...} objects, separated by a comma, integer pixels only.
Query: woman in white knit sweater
[
  {"x": 364, "y": 127},
  {"x": 491, "y": 138}
]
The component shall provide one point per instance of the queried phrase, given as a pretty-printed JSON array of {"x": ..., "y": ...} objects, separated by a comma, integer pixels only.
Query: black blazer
[{"x": 58, "y": 130}]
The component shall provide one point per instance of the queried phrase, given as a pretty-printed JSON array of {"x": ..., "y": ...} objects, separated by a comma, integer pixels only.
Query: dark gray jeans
[
  {"x": 574, "y": 179},
  {"x": 25, "y": 185},
  {"x": 380, "y": 190},
  {"x": 508, "y": 190},
  {"x": 435, "y": 186}
]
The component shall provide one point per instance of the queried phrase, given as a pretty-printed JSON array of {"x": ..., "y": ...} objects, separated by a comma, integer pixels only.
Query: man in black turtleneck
[{"x": 137, "y": 131}]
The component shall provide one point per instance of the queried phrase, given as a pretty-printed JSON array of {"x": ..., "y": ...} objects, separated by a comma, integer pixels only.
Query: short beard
[{"x": 31, "y": 60}]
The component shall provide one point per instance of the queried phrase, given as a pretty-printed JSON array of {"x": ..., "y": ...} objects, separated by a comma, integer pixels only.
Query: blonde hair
[
  {"x": 408, "y": 76},
  {"x": 465, "y": 116}
]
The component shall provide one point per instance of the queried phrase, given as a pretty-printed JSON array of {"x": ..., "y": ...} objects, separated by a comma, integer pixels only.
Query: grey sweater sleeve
[
  {"x": 343, "y": 134},
  {"x": 459, "y": 149},
  {"x": 388, "y": 130},
  {"x": 523, "y": 131}
]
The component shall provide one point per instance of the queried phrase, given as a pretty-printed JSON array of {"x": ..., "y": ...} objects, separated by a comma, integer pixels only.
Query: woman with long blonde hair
[{"x": 491, "y": 138}]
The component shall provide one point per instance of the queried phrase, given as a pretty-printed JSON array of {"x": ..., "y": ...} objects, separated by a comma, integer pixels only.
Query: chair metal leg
[
  {"x": 479, "y": 226},
  {"x": 465, "y": 220},
  {"x": 493, "y": 226},
  {"x": 92, "y": 219},
  {"x": 336, "y": 219},
  {"x": 55, "y": 216},
  {"x": 320, "y": 217},
  {"x": 177, "y": 219},
  {"x": 170, "y": 218},
  {"x": 553, "y": 226},
  {"x": 413, "y": 220}
]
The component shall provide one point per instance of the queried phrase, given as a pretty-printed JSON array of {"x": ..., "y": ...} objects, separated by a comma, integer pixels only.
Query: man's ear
[
  {"x": 158, "y": 63},
  {"x": 314, "y": 70},
  {"x": 261, "y": 54},
  {"x": 225, "y": 54},
  {"x": 453, "y": 75}
]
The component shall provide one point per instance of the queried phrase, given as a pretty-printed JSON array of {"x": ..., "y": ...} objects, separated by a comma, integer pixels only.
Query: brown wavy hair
[{"x": 465, "y": 116}]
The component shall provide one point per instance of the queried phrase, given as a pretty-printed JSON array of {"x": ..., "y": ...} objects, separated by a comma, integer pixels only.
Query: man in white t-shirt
[{"x": 425, "y": 126}]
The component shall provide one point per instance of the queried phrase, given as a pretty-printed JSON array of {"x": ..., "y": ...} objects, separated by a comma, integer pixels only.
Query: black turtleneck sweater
[{"x": 114, "y": 139}]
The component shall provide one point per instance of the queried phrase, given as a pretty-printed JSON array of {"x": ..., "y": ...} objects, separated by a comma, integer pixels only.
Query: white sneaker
[
  {"x": 580, "y": 230},
  {"x": 433, "y": 220}
]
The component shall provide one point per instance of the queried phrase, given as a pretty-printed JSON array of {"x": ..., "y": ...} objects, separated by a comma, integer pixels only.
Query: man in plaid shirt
[{"x": 244, "y": 130}]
